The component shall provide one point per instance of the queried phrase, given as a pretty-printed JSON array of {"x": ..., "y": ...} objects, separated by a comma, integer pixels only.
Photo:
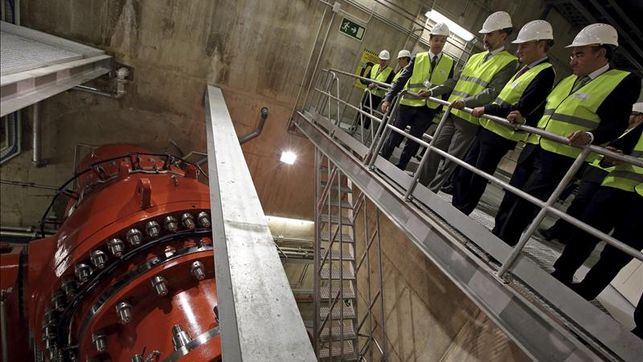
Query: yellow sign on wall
[{"x": 367, "y": 60}]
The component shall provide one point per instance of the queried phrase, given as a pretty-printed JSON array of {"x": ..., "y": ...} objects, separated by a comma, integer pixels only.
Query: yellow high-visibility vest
[
  {"x": 422, "y": 72},
  {"x": 476, "y": 76},
  {"x": 626, "y": 176},
  {"x": 566, "y": 112},
  {"x": 380, "y": 76},
  {"x": 511, "y": 94}
]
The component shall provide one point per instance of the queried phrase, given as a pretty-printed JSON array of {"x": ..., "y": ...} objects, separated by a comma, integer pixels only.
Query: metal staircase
[
  {"x": 348, "y": 274},
  {"x": 335, "y": 282}
]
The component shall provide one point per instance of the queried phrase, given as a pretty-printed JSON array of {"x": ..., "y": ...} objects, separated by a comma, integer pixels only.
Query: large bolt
[
  {"x": 49, "y": 340},
  {"x": 99, "y": 341},
  {"x": 49, "y": 331},
  {"x": 50, "y": 315},
  {"x": 171, "y": 224},
  {"x": 116, "y": 247},
  {"x": 69, "y": 287},
  {"x": 158, "y": 282},
  {"x": 98, "y": 258},
  {"x": 134, "y": 236},
  {"x": 124, "y": 311},
  {"x": 187, "y": 220},
  {"x": 58, "y": 301},
  {"x": 204, "y": 219},
  {"x": 179, "y": 337},
  {"x": 152, "y": 228},
  {"x": 138, "y": 358},
  {"x": 83, "y": 272},
  {"x": 197, "y": 270}
]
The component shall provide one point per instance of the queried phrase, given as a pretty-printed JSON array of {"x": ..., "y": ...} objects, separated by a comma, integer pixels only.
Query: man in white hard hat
[
  {"x": 525, "y": 93},
  {"x": 403, "y": 59},
  {"x": 592, "y": 176},
  {"x": 591, "y": 106},
  {"x": 427, "y": 70},
  {"x": 480, "y": 82},
  {"x": 373, "y": 95},
  {"x": 617, "y": 205}
]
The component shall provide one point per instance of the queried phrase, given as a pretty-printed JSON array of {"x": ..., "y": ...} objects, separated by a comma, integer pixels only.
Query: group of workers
[{"x": 594, "y": 105}]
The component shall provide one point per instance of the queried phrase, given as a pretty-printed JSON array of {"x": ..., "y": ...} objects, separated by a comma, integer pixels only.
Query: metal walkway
[
  {"x": 545, "y": 318},
  {"x": 36, "y": 66}
]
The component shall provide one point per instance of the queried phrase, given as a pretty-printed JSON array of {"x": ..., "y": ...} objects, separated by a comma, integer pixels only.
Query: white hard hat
[
  {"x": 637, "y": 107},
  {"x": 384, "y": 55},
  {"x": 403, "y": 54},
  {"x": 597, "y": 33},
  {"x": 440, "y": 29},
  {"x": 496, "y": 21},
  {"x": 534, "y": 30}
]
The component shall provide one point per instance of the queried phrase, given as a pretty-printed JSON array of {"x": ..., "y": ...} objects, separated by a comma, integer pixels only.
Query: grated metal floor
[{"x": 20, "y": 54}]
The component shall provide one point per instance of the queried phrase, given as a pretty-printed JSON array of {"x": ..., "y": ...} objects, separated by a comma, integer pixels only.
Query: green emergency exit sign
[{"x": 351, "y": 29}]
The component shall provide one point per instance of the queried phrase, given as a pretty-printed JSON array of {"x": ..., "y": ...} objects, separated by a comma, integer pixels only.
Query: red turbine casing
[{"x": 129, "y": 276}]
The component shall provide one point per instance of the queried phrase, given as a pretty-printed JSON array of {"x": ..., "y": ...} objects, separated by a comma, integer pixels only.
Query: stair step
[
  {"x": 335, "y": 203},
  {"x": 345, "y": 238},
  {"x": 344, "y": 188},
  {"x": 349, "y": 292},
  {"x": 349, "y": 332},
  {"x": 334, "y": 219},
  {"x": 348, "y": 273},
  {"x": 347, "y": 255},
  {"x": 349, "y": 312},
  {"x": 336, "y": 350}
]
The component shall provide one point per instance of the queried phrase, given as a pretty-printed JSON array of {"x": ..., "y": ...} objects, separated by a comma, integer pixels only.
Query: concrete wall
[
  {"x": 255, "y": 50},
  {"x": 427, "y": 318}
]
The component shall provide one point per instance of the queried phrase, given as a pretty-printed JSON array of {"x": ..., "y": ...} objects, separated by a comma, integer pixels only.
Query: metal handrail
[{"x": 545, "y": 206}]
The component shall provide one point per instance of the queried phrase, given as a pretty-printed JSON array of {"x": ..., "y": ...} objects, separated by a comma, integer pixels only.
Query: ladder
[{"x": 335, "y": 282}]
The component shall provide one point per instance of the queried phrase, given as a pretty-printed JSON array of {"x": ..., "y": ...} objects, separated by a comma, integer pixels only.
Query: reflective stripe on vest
[
  {"x": 510, "y": 95},
  {"x": 398, "y": 74},
  {"x": 566, "y": 113},
  {"x": 422, "y": 72},
  {"x": 380, "y": 77},
  {"x": 626, "y": 176},
  {"x": 476, "y": 76}
]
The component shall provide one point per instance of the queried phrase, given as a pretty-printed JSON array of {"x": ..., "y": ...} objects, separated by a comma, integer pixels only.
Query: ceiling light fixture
[
  {"x": 453, "y": 26},
  {"x": 288, "y": 157}
]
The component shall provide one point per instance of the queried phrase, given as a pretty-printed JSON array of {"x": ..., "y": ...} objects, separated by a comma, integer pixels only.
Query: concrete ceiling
[{"x": 624, "y": 15}]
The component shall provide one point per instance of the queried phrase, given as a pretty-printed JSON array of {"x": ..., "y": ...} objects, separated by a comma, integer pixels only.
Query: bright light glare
[
  {"x": 453, "y": 27},
  {"x": 288, "y": 157}
]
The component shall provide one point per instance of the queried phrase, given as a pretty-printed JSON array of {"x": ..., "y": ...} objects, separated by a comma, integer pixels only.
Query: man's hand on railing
[
  {"x": 609, "y": 161},
  {"x": 516, "y": 118},
  {"x": 386, "y": 105},
  {"x": 580, "y": 138},
  {"x": 372, "y": 86},
  {"x": 459, "y": 104},
  {"x": 425, "y": 93},
  {"x": 477, "y": 112}
]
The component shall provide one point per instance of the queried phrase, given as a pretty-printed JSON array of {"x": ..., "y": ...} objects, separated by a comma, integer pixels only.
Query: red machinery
[{"x": 129, "y": 275}]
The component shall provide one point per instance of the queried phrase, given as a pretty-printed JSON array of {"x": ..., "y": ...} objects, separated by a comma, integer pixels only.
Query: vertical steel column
[
  {"x": 317, "y": 256},
  {"x": 36, "y": 135}
]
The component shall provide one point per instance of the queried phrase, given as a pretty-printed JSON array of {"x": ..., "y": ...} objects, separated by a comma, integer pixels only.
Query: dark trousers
[
  {"x": 609, "y": 208},
  {"x": 638, "y": 319},
  {"x": 538, "y": 173},
  {"x": 419, "y": 118},
  {"x": 367, "y": 106},
  {"x": 590, "y": 182},
  {"x": 485, "y": 154}
]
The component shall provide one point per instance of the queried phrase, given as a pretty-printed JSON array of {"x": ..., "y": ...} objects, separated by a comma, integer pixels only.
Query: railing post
[
  {"x": 384, "y": 134},
  {"x": 409, "y": 191},
  {"x": 578, "y": 162}
]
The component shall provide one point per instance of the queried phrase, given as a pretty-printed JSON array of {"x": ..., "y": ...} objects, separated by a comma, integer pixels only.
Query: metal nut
[
  {"x": 197, "y": 270},
  {"x": 188, "y": 221},
  {"x": 98, "y": 258},
  {"x": 124, "y": 311},
  {"x": 83, "y": 272},
  {"x": 171, "y": 223},
  {"x": 116, "y": 247},
  {"x": 158, "y": 282},
  {"x": 152, "y": 228},
  {"x": 204, "y": 219},
  {"x": 134, "y": 236}
]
